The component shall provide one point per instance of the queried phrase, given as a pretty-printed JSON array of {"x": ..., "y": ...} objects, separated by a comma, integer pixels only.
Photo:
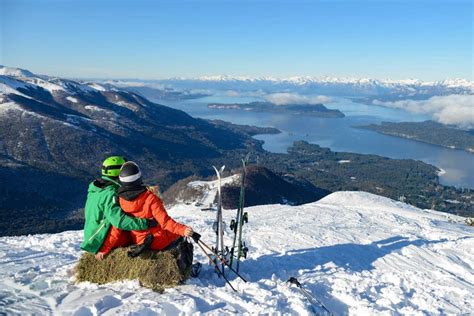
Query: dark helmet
[{"x": 130, "y": 175}]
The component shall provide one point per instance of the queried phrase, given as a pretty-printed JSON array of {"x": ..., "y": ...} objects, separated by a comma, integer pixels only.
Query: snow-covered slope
[
  {"x": 359, "y": 253},
  {"x": 209, "y": 189}
]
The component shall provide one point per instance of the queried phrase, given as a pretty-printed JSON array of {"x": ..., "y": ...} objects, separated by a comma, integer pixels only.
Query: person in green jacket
[{"x": 102, "y": 210}]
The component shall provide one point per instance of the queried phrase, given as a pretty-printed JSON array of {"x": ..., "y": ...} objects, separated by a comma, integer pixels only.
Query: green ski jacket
[{"x": 102, "y": 211}]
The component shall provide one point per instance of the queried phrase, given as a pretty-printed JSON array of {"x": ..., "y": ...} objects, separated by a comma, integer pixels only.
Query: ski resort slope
[{"x": 358, "y": 253}]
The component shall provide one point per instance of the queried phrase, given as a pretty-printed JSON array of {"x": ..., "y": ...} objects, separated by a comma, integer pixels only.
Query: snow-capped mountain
[
  {"x": 358, "y": 253},
  {"x": 319, "y": 85},
  {"x": 302, "y": 80},
  {"x": 59, "y": 130},
  {"x": 40, "y": 112},
  {"x": 15, "y": 72}
]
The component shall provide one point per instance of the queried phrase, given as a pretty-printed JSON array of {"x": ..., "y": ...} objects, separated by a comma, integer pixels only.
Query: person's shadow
[{"x": 352, "y": 257}]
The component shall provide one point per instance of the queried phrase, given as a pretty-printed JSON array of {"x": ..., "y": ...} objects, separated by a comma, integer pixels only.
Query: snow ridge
[
  {"x": 360, "y": 254},
  {"x": 308, "y": 80}
]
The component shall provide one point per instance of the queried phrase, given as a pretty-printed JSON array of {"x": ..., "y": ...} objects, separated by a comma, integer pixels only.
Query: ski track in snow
[{"x": 358, "y": 253}]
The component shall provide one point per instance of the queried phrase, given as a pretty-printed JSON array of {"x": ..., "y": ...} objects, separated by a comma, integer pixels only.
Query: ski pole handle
[
  {"x": 294, "y": 281},
  {"x": 195, "y": 236}
]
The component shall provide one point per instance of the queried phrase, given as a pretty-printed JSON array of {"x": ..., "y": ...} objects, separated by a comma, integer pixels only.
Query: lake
[{"x": 338, "y": 134}]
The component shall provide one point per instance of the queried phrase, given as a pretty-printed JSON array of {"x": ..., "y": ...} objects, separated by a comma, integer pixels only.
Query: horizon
[
  {"x": 231, "y": 77},
  {"x": 145, "y": 40}
]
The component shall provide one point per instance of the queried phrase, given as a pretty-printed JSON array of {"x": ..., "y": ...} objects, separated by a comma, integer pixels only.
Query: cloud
[
  {"x": 285, "y": 98},
  {"x": 253, "y": 93},
  {"x": 455, "y": 109},
  {"x": 232, "y": 93}
]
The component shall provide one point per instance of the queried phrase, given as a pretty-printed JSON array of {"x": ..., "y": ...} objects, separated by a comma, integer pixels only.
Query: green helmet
[{"x": 111, "y": 166}]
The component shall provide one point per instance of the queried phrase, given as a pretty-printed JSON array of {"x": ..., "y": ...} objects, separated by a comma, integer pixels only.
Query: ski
[
  {"x": 236, "y": 225},
  {"x": 315, "y": 303},
  {"x": 219, "y": 227}
]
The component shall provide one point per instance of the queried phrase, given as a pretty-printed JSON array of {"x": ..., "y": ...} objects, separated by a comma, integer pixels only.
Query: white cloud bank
[
  {"x": 294, "y": 98},
  {"x": 455, "y": 109}
]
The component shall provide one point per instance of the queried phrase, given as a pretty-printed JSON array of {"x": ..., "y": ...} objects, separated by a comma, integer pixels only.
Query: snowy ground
[
  {"x": 209, "y": 189},
  {"x": 358, "y": 253}
]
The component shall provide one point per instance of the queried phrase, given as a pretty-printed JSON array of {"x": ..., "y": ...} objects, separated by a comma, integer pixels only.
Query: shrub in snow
[{"x": 156, "y": 270}]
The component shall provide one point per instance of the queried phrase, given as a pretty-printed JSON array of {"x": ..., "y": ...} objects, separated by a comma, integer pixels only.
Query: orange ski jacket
[{"x": 148, "y": 205}]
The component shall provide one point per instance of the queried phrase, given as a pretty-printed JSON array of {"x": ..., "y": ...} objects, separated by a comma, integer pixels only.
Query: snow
[
  {"x": 306, "y": 80},
  {"x": 209, "y": 188},
  {"x": 127, "y": 105},
  {"x": 10, "y": 85},
  {"x": 97, "y": 87},
  {"x": 13, "y": 78},
  {"x": 358, "y": 253},
  {"x": 14, "y": 72},
  {"x": 343, "y": 161},
  {"x": 72, "y": 99},
  {"x": 5, "y": 108},
  {"x": 49, "y": 86},
  {"x": 9, "y": 106}
]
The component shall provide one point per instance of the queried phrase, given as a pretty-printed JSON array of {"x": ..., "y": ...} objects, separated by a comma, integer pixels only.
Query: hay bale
[{"x": 154, "y": 270}]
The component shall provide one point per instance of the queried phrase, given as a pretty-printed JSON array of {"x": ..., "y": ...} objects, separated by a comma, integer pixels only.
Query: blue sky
[{"x": 429, "y": 40}]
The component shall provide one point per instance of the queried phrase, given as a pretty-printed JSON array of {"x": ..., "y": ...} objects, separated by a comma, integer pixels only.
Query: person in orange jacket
[{"x": 137, "y": 200}]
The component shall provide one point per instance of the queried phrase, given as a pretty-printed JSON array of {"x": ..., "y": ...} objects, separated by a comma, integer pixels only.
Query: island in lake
[
  {"x": 317, "y": 110},
  {"x": 428, "y": 132}
]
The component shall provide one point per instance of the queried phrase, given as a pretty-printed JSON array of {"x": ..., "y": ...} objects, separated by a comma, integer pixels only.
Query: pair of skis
[
  {"x": 219, "y": 224},
  {"x": 235, "y": 225},
  {"x": 241, "y": 218}
]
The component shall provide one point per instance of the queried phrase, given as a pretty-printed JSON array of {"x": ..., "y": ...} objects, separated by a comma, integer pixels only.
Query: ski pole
[
  {"x": 311, "y": 298},
  {"x": 196, "y": 237},
  {"x": 222, "y": 260}
]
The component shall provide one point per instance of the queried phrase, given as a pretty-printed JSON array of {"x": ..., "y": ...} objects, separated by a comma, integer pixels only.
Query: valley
[{"x": 59, "y": 131}]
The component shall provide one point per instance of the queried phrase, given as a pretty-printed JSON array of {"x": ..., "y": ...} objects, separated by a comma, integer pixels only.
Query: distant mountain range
[{"x": 310, "y": 85}]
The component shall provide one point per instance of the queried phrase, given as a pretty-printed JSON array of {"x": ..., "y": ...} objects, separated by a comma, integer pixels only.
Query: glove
[
  {"x": 138, "y": 249},
  {"x": 152, "y": 223},
  {"x": 195, "y": 236}
]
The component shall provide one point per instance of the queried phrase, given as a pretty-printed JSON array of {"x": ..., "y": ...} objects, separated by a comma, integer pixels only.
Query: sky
[{"x": 428, "y": 40}]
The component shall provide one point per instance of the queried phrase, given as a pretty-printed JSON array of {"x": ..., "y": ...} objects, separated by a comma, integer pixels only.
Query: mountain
[
  {"x": 262, "y": 186},
  {"x": 315, "y": 85},
  {"x": 60, "y": 131},
  {"x": 358, "y": 253}
]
